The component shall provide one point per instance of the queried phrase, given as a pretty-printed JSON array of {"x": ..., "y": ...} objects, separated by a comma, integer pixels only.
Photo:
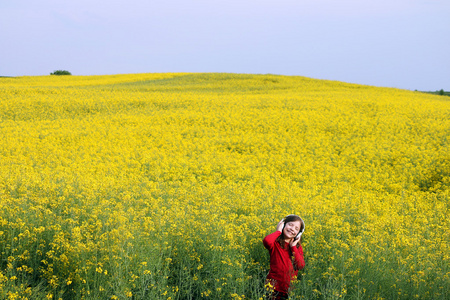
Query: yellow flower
[{"x": 182, "y": 175}]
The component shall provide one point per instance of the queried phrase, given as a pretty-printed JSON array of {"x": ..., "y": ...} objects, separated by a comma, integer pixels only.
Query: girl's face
[{"x": 291, "y": 229}]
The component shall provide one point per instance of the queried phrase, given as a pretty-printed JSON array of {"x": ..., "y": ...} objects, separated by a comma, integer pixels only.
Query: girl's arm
[
  {"x": 269, "y": 240},
  {"x": 299, "y": 261}
]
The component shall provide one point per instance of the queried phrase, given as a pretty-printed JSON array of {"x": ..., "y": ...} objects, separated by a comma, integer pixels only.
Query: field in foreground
[{"x": 162, "y": 186}]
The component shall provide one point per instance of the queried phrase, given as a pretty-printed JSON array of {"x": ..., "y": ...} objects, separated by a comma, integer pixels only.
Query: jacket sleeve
[
  {"x": 270, "y": 239},
  {"x": 299, "y": 260}
]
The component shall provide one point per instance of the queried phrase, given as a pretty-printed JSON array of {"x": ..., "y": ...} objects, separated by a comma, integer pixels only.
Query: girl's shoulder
[{"x": 270, "y": 240}]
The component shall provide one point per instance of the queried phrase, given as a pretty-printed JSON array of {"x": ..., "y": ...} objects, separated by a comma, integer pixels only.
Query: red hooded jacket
[{"x": 282, "y": 268}]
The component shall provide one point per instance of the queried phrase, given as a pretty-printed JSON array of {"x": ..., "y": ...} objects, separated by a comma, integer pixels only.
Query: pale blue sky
[{"x": 392, "y": 43}]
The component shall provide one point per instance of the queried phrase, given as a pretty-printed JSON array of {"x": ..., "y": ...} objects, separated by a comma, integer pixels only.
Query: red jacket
[{"x": 282, "y": 269}]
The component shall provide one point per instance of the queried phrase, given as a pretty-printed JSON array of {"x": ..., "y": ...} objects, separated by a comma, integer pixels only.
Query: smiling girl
[{"x": 286, "y": 256}]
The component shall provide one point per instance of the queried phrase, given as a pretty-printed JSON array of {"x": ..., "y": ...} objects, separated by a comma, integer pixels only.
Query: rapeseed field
[{"x": 162, "y": 186}]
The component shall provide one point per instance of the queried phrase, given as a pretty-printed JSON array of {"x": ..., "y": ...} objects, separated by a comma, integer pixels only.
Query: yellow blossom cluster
[{"x": 162, "y": 186}]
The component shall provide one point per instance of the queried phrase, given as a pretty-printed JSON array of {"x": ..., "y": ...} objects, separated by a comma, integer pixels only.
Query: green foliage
[
  {"x": 61, "y": 72},
  {"x": 441, "y": 92}
]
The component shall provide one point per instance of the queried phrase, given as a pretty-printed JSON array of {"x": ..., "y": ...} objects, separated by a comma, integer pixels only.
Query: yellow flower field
[{"x": 162, "y": 186}]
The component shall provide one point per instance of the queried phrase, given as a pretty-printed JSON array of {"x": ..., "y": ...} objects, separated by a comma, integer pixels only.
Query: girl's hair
[{"x": 287, "y": 219}]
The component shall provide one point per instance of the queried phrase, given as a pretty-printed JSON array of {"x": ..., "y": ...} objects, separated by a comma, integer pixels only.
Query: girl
[{"x": 286, "y": 256}]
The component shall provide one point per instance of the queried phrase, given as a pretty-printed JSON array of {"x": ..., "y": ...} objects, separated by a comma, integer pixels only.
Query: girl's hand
[
  {"x": 294, "y": 242},
  {"x": 280, "y": 226}
]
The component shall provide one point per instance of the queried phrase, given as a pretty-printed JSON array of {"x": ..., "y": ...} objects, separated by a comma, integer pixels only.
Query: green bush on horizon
[{"x": 61, "y": 72}]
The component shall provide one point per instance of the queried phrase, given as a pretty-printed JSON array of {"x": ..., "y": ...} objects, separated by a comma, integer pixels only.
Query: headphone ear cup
[{"x": 299, "y": 234}]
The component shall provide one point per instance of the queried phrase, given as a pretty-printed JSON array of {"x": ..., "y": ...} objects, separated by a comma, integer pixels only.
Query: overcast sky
[{"x": 391, "y": 43}]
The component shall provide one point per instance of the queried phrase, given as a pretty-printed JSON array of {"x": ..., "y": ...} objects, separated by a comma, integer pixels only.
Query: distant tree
[
  {"x": 441, "y": 92},
  {"x": 61, "y": 72}
]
